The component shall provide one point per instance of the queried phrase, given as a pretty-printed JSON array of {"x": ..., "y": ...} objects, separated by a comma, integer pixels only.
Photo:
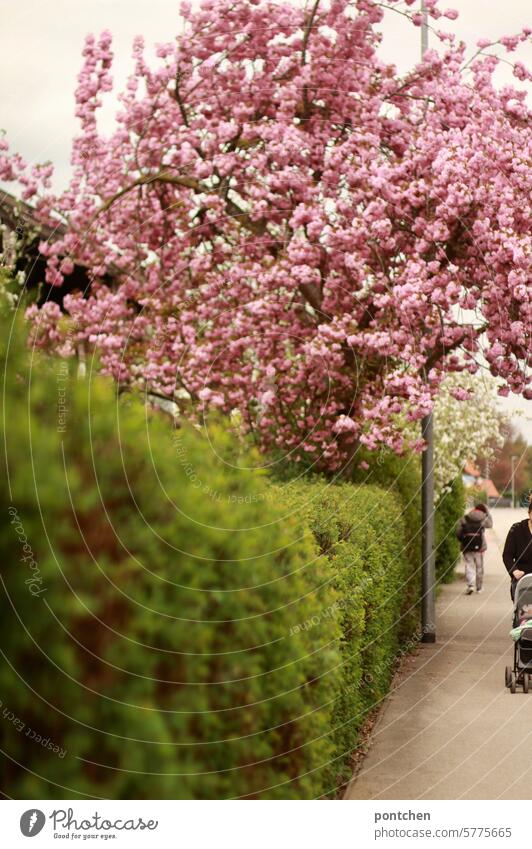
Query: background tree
[
  {"x": 465, "y": 428},
  {"x": 301, "y": 233},
  {"x": 500, "y": 466}
]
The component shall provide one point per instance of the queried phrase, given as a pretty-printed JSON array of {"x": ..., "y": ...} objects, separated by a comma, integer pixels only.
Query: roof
[
  {"x": 482, "y": 483},
  {"x": 490, "y": 488}
]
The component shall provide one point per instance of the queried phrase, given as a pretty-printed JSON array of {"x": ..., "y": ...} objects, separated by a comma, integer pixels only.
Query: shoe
[
  {"x": 480, "y": 590},
  {"x": 469, "y": 591}
]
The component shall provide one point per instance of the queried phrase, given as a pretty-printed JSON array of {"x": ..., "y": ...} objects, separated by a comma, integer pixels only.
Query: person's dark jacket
[{"x": 517, "y": 552}]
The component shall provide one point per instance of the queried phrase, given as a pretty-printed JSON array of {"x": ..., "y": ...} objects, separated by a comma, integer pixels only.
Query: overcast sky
[{"x": 41, "y": 40}]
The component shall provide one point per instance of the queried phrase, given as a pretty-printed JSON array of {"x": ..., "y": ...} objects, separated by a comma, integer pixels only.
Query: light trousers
[{"x": 474, "y": 568}]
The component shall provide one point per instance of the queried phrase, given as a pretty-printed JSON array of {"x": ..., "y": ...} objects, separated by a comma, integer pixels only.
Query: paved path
[{"x": 450, "y": 729}]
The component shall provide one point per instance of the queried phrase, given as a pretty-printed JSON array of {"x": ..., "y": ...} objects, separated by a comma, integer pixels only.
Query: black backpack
[{"x": 471, "y": 536}]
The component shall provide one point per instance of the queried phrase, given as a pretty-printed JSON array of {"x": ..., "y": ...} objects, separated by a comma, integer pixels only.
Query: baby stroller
[{"x": 522, "y": 668}]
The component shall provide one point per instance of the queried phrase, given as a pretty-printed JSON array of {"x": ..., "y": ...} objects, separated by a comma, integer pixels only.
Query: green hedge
[
  {"x": 364, "y": 536},
  {"x": 449, "y": 509},
  {"x": 400, "y": 477},
  {"x": 157, "y": 641},
  {"x": 400, "y": 480},
  {"x": 180, "y": 627}
]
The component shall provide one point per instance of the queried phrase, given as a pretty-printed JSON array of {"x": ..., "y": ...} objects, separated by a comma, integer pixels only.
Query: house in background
[{"x": 471, "y": 476}]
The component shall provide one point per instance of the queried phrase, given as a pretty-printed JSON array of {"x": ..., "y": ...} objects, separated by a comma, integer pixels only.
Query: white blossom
[{"x": 465, "y": 430}]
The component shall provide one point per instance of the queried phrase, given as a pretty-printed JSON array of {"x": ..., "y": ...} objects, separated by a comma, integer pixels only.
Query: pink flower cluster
[{"x": 295, "y": 230}]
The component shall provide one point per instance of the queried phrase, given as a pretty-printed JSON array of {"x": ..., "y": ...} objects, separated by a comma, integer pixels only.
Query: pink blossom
[
  {"x": 298, "y": 250},
  {"x": 343, "y": 424}
]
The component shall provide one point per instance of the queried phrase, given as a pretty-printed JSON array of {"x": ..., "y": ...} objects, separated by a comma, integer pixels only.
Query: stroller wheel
[
  {"x": 507, "y": 676},
  {"x": 526, "y": 681},
  {"x": 512, "y": 682}
]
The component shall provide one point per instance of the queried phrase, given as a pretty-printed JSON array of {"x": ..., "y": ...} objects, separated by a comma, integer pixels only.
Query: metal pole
[
  {"x": 513, "y": 480},
  {"x": 424, "y": 30},
  {"x": 428, "y": 566}
]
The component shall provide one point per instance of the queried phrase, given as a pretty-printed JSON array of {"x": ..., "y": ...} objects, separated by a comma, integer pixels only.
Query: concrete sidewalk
[{"x": 450, "y": 729}]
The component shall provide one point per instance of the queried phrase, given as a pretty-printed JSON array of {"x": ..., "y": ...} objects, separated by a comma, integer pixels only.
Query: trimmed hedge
[
  {"x": 402, "y": 476},
  {"x": 449, "y": 509},
  {"x": 364, "y": 536},
  {"x": 400, "y": 480},
  {"x": 181, "y": 628},
  {"x": 154, "y": 636}
]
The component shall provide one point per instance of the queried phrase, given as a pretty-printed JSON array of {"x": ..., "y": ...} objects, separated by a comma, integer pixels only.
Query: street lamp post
[
  {"x": 424, "y": 30},
  {"x": 428, "y": 566}
]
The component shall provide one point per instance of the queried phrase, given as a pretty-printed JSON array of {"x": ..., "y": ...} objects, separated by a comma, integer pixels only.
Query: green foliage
[
  {"x": 180, "y": 628},
  {"x": 9, "y": 290},
  {"x": 501, "y": 469},
  {"x": 475, "y": 495},
  {"x": 364, "y": 536},
  {"x": 449, "y": 509},
  {"x": 400, "y": 481},
  {"x": 157, "y": 633}
]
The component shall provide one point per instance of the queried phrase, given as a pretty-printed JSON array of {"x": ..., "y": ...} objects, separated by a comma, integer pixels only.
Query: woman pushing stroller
[
  {"x": 519, "y": 675},
  {"x": 517, "y": 554}
]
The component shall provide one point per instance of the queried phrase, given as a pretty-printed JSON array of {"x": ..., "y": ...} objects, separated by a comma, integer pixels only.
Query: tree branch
[
  {"x": 312, "y": 295},
  {"x": 258, "y": 228},
  {"x": 306, "y": 36},
  {"x": 308, "y": 28},
  {"x": 177, "y": 95}
]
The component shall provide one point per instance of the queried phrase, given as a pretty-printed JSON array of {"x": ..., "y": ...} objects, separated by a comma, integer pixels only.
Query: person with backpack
[{"x": 470, "y": 532}]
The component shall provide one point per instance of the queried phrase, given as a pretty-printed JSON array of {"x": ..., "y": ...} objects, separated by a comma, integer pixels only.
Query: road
[{"x": 450, "y": 729}]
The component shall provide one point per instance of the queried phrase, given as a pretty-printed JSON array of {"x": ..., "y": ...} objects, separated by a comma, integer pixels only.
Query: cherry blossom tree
[{"x": 296, "y": 231}]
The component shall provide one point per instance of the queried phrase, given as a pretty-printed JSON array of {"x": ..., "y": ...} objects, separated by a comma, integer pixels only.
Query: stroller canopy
[{"x": 523, "y": 592}]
